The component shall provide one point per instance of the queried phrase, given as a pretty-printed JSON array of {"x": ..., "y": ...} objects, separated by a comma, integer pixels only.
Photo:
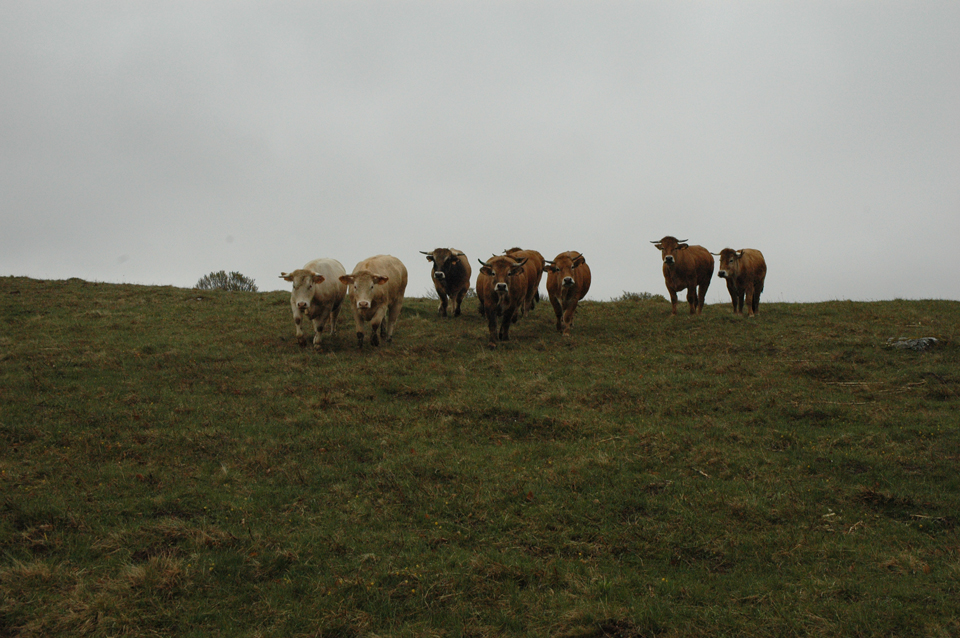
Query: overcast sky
[{"x": 156, "y": 142}]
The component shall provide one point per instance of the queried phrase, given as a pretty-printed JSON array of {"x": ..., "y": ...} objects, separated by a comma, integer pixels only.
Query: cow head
[
  {"x": 501, "y": 269},
  {"x": 669, "y": 247},
  {"x": 304, "y": 282},
  {"x": 363, "y": 285},
  {"x": 444, "y": 260},
  {"x": 566, "y": 267},
  {"x": 729, "y": 262}
]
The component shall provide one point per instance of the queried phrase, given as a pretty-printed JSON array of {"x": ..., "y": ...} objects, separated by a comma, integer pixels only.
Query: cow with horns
[
  {"x": 568, "y": 280},
  {"x": 501, "y": 288},
  {"x": 451, "y": 277},
  {"x": 744, "y": 271},
  {"x": 533, "y": 265},
  {"x": 685, "y": 267}
]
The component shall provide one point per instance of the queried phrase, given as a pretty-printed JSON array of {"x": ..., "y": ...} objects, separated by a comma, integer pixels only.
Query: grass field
[{"x": 173, "y": 464}]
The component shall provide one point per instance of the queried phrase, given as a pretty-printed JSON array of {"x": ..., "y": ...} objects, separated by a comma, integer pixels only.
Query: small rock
[{"x": 919, "y": 345}]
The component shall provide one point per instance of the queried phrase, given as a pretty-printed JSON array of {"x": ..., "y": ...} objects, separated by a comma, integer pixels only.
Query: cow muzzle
[
  {"x": 722, "y": 274},
  {"x": 501, "y": 288},
  {"x": 568, "y": 282},
  {"x": 363, "y": 305},
  {"x": 302, "y": 306},
  {"x": 439, "y": 275},
  {"x": 668, "y": 259}
]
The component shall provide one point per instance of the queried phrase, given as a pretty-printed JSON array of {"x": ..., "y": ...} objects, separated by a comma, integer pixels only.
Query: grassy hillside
[{"x": 174, "y": 465}]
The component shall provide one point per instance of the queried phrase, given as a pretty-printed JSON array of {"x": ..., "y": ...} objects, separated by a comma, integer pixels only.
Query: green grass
[{"x": 173, "y": 464}]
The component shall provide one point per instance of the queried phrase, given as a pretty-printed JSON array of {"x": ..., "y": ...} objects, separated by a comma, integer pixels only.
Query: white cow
[
  {"x": 376, "y": 286},
  {"x": 317, "y": 294}
]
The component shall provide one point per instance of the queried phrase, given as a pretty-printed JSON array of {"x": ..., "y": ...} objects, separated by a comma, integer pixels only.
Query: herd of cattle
[{"x": 507, "y": 286}]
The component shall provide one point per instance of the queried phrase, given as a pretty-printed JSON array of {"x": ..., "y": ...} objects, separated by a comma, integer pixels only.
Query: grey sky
[{"x": 155, "y": 142}]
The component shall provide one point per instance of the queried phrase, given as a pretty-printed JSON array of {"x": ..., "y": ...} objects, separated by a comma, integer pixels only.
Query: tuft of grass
[{"x": 174, "y": 464}]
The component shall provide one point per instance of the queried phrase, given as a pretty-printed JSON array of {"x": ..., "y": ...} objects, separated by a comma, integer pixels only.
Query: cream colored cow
[
  {"x": 376, "y": 288},
  {"x": 317, "y": 295}
]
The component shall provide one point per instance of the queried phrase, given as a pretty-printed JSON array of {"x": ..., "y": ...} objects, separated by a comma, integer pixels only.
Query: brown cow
[
  {"x": 317, "y": 294},
  {"x": 687, "y": 267},
  {"x": 744, "y": 271},
  {"x": 534, "y": 269},
  {"x": 377, "y": 285},
  {"x": 501, "y": 288},
  {"x": 451, "y": 277},
  {"x": 568, "y": 280}
]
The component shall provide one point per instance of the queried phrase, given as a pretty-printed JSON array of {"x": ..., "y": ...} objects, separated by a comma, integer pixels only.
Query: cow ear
[
  {"x": 319, "y": 279},
  {"x": 551, "y": 268},
  {"x": 429, "y": 257},
  {"x": 579, "y": 261},
  {"x": 658, "y": 246},
  {"x": 286, "y": 276},
  {"x": 739, "y": 253},
  {"x": 486, "y": 270},
  {"x": 682, "y": 246},
  {"x": 380, "y": 279},
  {"x": 346, "y": 279}
]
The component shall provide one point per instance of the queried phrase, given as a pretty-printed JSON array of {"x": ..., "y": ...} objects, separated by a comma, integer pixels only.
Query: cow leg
[
  {"x": 442, "y": 308},
  {"x": 692, "y": 299},
  {"x": 393, "y": 315},
  {"x": 380, "y": 325},
  {"x": 460, "y": 296},
  {"x": 756, "y": 299},
  {"x": 505, "y": 323},
  {"x": 358, "y": 321},
  {"x": 319, "y": 322},
  {"x": 673, "y": 300},
  {"x": 492, "y": 327},
  {"x": 568, "y": 318},
  {"x": 751, "y": 303},
  {"x": 557, "y": 310},
  {"x": 300, "y": 338},
  {"x": 334, "y": 317},
  {"x": 702, "y": 295}
]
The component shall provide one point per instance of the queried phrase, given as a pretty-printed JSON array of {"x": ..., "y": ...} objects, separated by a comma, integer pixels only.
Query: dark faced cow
[
  {"x": 317, "y": 295},
  {"x": 376, "y": 286},
  {"x": 744, "y": 270},
  {"x": 451, "y": 277},
  {"x": 685, "y": 267},
  {"x": 568, "y": 280},
  {"x": 501, "y": 287}
]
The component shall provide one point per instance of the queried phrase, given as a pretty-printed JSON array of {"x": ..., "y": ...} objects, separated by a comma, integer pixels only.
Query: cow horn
[
  {"x": 423, "y": 253},
  {"x": 482, "y": 263},
  {"x": 680, "y": 241},
  {"x": 548, "y": 261}
]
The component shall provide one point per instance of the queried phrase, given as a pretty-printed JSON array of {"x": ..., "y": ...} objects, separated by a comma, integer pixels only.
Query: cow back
[
  {"x": 331, "y": 289},
  {"x": 386, "y": 266}
]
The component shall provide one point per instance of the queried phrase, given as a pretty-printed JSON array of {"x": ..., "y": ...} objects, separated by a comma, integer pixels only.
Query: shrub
[
  {"x": 223, "y": 281},
  {"x": 639, "y": 296}
]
